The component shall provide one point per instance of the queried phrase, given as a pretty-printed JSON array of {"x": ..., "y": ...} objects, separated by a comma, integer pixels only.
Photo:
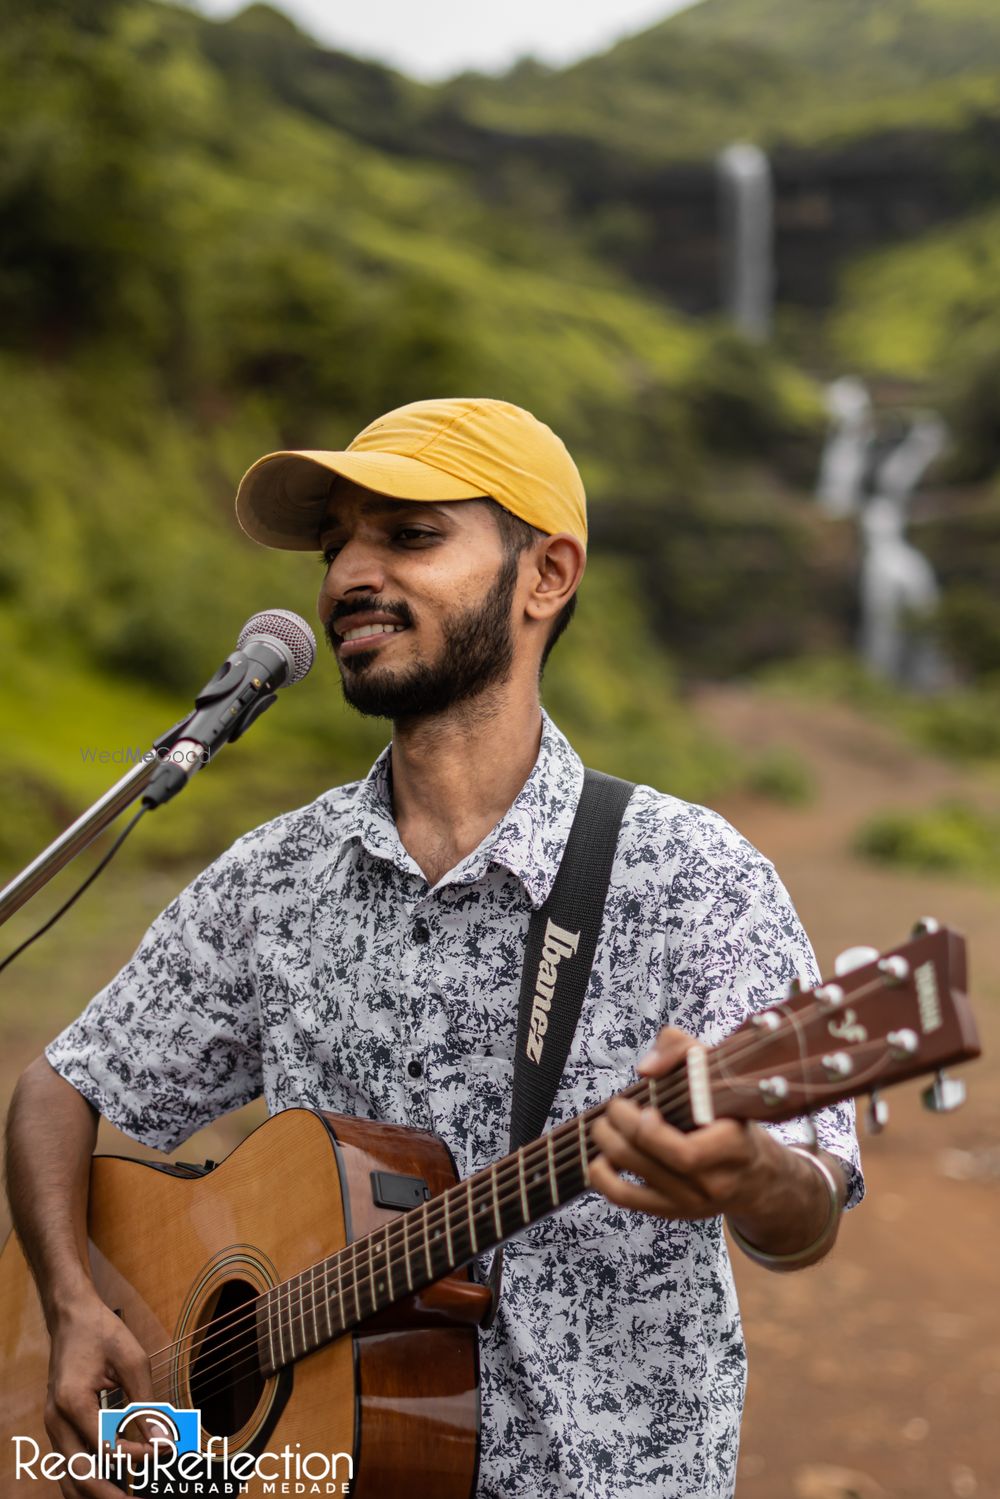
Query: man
[{"x": 364, "y": 954}]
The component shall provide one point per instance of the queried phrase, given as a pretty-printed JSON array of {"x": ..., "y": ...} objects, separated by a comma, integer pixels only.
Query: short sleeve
[
  {"x": 174, "y": 1040},
  {"x": 744, "y": 945}
]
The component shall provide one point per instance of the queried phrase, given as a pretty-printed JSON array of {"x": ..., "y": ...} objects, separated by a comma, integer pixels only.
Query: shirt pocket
[{"x": 586, "y": 1219}]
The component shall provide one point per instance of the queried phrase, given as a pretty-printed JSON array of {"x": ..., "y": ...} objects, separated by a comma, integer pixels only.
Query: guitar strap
[{"x": 558, "y": 958}]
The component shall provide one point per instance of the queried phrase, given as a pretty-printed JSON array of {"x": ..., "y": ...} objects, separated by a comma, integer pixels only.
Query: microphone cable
[{"x": 92, "y": 876}]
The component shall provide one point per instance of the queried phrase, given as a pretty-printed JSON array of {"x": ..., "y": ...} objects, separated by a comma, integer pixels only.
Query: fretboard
[{"x": 426, "y": 1243}]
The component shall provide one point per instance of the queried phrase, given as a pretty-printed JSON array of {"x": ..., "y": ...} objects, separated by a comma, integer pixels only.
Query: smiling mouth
[
  {"x": 369, "y": 632},
  {"x": 361, "y": 643}
]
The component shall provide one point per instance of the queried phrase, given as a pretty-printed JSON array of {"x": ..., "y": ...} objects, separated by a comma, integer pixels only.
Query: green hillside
[
  {"x": 191, "y": 274},
  {"x": 772, "y": 70},
  {"x": 872, "y": 45},
  {"x": 219, "y": 239}
]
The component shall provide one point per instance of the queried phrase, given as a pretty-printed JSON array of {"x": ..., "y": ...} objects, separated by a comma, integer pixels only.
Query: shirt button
[
  {"x": 414, "y": 1068},
  {"x": 421, "y": 931}
]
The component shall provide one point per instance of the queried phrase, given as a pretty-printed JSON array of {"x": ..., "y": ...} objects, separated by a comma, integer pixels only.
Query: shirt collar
[{"x": 528, "y": 840}]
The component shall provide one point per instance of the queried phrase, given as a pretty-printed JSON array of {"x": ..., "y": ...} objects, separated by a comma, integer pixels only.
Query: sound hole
[{"x": 226, "y": 1378}]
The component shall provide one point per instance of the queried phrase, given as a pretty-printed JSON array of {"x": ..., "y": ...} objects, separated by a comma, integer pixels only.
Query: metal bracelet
[{"x": 798, "y": 1256}]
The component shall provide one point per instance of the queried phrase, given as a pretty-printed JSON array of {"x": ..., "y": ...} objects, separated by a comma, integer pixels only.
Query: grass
[
  {"x": 962, "y": 725},
  {"x": 954, "y": 837}
]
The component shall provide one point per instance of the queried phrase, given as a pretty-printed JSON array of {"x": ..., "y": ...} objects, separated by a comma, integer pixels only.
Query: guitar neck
[
  {"x": 429, "y": 1242},
  {"x": 895, "y": 1018}
]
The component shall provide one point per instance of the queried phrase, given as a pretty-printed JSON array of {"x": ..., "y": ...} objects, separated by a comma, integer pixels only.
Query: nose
[{"x": 356, "y": 568}]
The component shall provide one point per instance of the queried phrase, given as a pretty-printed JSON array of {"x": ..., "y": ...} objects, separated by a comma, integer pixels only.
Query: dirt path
[
  {"x": 879, "y": 1374},
  {"x": 876, "y": 1376}
]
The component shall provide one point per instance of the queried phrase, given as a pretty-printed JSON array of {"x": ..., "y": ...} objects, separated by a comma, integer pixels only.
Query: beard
[{"x": 477, "y": 653}]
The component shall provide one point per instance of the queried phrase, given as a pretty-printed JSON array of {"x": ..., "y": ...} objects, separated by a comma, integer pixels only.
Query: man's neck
[{"x": 454, "y": 776}]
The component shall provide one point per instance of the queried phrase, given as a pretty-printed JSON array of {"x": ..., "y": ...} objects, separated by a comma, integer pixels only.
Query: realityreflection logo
[{"x": 180, "y": 1462}]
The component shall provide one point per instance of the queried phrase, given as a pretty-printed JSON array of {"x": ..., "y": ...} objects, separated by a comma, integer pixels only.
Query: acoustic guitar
[{"x": 308, "y": 1300}]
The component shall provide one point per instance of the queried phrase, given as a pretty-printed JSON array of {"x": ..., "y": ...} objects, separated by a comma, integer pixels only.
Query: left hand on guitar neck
[{"x": 774, "y": 1199}]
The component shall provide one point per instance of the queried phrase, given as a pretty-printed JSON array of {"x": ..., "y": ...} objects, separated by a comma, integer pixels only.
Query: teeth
[{"x": 364, "y": 630}]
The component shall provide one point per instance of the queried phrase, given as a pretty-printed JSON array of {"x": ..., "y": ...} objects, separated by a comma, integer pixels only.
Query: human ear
[{"x": 560, "y": 561}]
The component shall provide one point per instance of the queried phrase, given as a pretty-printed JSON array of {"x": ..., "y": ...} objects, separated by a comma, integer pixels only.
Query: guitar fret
[
  {"x": 552, "y": 1171},
  {"x": 523, "y": 1186},
  {"x": 357, "y": 1294},
  {"x": 293, "y": 1313},
  {"x": 472, "y": 1216},
  {"x": 427, "y": 1244},
  {"x": 447, "y": 1230},
  {"x": 584, "y": 1164},
  {"x": 496, "y": 1203},
  {"x": 406, "y": 1251},
  {"x": 388, "y": 1265},
  {"x": 312, "y": 1286},
  {"x": 326, "y": 1298},
  {"x": 340, "y": 1289},
  {"x": 270, "y": 1329},
  {"x": 281, "y": 1329},
  {"x": 288, "y": 1319},
  {"x": 371, "y": 1269}
]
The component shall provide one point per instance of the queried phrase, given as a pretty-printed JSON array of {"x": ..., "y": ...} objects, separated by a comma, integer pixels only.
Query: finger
[
  {"x": 131, "y": 1368},
  {"x": 670, "y": 1047},
  {"x": 73, "y": 1427},
  {"x": 65, "y": 1441},
  {"x": 708, "y": 1167},
  {"x": 640, "y": 1198},
  {"x": 622, "y": 1154},
  {"x": 725, "y": 1143},
  {"x": 80, "y": 1415}
]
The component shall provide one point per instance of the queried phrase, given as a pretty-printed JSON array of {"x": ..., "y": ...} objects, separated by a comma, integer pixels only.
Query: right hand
[{"x": 92, "y": 1350}]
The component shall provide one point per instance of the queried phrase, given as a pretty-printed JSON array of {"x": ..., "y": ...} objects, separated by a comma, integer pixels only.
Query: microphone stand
[
  {"x": 86, "y": 828},
  {"x": 230, "y": 701}
]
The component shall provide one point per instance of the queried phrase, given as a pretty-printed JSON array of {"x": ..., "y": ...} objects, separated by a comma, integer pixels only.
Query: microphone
[{"x": 275, "y": 649}]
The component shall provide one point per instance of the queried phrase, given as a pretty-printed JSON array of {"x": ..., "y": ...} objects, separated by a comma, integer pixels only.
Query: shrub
[{"x": 954, "y": 837}]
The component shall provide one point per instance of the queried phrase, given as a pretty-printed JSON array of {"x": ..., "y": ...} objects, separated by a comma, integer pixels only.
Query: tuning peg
[
  {"x": 854, "y": 957},
  {"x": 902, "y": 1044},
  {"x": 877, "y": 1113},
  {"x": 944, "y": 1094},
  {"x": 926, "y": 926}
]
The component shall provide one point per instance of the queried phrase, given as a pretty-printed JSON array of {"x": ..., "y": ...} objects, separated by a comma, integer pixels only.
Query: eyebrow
[{"x": 381, "y": 505}]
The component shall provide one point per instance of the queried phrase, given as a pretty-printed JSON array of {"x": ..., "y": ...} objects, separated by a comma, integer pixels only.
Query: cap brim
[{"x": 282, "y": 499}]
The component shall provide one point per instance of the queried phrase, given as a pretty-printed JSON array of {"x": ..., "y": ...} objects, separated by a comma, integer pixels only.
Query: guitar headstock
[{"x": 901, "y": 1015}]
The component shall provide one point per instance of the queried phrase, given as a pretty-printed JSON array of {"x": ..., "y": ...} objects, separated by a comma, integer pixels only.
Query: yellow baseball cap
[{"x": 458, "y": 449}]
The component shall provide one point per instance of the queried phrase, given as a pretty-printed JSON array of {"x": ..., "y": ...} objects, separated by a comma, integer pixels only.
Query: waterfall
[
  {"x": 898, "y": 592},
  {"x": 844, "y": 464},
  {"x": 898, "y": 586},
  {"x": 747, "y": 217}
]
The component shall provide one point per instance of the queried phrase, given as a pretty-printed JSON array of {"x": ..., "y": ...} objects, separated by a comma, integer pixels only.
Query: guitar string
[
  {"x": 349, "y": 1276},
  {"x": 356, "y": 1278},
  {"x": 250, "y": 1364},
  {"x": 377, "y": 1243},
  {"x": 434, "y": 1208},
  {"x": 309, "y": 1306}
]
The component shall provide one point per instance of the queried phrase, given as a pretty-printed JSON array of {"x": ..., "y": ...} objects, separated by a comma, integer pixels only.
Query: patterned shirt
[{"x": 314, "y": 964}]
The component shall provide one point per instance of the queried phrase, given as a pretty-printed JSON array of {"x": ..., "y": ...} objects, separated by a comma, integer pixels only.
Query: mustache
[{"x": 398, "y": 609}]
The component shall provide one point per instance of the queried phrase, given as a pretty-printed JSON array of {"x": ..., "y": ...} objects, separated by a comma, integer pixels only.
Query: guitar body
[
  {"x": 171, "y": 1251},
  {"x": 307, "y": 1297}
]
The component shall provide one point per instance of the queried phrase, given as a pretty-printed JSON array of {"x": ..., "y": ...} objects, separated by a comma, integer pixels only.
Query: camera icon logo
[{"x": 163, "y": 1423}]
